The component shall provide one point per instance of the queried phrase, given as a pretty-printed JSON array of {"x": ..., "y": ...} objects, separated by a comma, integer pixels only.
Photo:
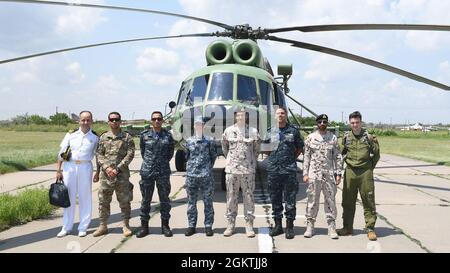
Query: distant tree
[
  {"x": 39, "y": 120},
  {"x": 60, "y": 119},
  {"x": 21, "y": 119}
]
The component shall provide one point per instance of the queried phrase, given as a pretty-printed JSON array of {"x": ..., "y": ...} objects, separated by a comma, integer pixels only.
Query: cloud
[
  {"x": 73, "y": 70},
  {"x": 79, "y": 20},
  {"x": 157, "y": 59}
]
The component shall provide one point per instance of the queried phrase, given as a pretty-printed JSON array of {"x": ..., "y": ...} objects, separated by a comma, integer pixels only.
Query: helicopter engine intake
[
  {"x": 247, "y": 52},
  {"x": 219, "y": 52}
]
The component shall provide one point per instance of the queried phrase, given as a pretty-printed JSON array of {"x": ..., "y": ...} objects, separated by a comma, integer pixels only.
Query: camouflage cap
[{"x": 322, "y": 117}]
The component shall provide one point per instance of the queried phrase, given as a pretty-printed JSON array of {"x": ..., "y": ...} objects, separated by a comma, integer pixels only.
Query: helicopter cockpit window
[
  {"x": 266, "y": 91},
  {"x": 246, "y": 89},
  {"x": 183, "y": 92},
  {"x": 221, "y": 87},
  {"x": 279, "y": 96},
  {"x": 198, "y": 90}
]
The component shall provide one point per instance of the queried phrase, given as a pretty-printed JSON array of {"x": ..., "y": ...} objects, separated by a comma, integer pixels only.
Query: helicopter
[{"x": 237, "y": 74}]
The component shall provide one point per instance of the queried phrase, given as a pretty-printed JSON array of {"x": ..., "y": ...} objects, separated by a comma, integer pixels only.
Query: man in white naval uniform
[{"x": 77, "y": 173}]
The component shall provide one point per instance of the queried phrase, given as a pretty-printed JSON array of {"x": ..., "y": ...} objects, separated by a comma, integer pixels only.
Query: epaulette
[
  {"x": 94, "y": 132},
  {"x": 73, "y": 130}
]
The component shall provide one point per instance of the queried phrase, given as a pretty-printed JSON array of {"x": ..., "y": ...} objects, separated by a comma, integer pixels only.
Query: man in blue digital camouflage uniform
[
  {"x": 287, "y": 145},
  {"x": 200, "y": 157},
  {"x": 157, "y": 147}
]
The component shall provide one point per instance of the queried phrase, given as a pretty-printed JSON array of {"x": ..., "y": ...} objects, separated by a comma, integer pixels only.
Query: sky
[{"x": 138, "y": 78}]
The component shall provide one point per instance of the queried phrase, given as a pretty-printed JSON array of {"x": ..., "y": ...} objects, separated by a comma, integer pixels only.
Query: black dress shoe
[
  {"x": 190, "y": 231},
  {"x": 209, "y": 231}
]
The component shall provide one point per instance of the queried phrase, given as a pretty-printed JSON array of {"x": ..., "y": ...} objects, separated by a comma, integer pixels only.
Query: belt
[{"x": 78, "y": 162}]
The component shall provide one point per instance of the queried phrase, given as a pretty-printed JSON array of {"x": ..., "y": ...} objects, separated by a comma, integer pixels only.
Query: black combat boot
[
  {"x": 143, "y": 231},
  {"x": 278, "y": 229},
  {"x": 190, "y": 231},
  {"x": 209, "y": 231},
  {"x": 165, "y": 229},
  {"x": 290, "y": 229}
]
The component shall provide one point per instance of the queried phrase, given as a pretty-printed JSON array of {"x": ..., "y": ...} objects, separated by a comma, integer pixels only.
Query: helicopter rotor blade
[
  {"x": 71, "y": 4},
  {"x": 360, "y": 27},
  {"x": 105, "y": 43},
  {"x": 359, "y": 59}
]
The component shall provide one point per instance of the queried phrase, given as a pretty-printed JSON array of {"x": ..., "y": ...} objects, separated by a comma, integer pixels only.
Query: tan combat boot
[
  {"x": 126, "y": 230},
  {"x": 101, "y": 230},
  {"x": 332, "y": 230},
  {"x": 372, "y": 235},
  {"x": 249, "y": 229},
  {"x": 309, "y": 230},
  {"x": 230, "y": 228}
]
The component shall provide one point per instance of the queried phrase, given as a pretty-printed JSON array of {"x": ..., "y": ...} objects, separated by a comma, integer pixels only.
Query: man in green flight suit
[{"x": 362, "y": 152}]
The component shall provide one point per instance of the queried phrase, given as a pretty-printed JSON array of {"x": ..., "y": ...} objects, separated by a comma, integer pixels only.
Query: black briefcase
[{"x": 59, "y": 195}]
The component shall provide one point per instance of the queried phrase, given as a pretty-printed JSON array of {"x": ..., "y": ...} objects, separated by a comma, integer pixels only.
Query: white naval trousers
[{"x": 78, "y": 180}]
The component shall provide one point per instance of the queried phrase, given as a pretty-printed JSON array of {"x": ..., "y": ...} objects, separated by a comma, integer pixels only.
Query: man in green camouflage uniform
[
  {"x": 362, "y": 152},
  {"x": 322, "y": 161},
  {"x": 114, "y": 153}
]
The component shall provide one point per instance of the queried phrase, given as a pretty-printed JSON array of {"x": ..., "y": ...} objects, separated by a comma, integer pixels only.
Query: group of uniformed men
[{"x": 322, "y": 171}]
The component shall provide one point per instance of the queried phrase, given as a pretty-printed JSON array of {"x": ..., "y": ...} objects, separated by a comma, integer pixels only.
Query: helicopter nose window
[
  {"x": 265, "y": 90},
  {"x": 246, "y": 89},
  {"x": 199, "y": 88},
  {"x": 221, "y": 87},
  {"x": 183, "y": 92}
]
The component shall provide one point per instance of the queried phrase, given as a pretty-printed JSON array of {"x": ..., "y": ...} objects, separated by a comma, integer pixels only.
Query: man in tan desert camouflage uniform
[
  {"x": 115, "y": 152},
  {"x": 240, "y": 145},
  {"x": 322, "y": 161}
]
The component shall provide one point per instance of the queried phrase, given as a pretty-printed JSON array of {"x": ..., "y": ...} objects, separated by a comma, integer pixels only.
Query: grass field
[
  {"x": 23, "y": 150},
  {"x": 24, "y": 207},
  {"x": 435, "y": 149}
]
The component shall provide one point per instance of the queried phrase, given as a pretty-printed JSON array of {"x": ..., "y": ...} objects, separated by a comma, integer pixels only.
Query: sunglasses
[
  {"x": 114, "y": 119},
  {"x": 157, "y": 119},
  {"x": 322, "y": 122}
]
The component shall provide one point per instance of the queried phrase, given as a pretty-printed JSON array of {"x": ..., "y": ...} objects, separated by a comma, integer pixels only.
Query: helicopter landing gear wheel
[{"x": 180, "y": 161}]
